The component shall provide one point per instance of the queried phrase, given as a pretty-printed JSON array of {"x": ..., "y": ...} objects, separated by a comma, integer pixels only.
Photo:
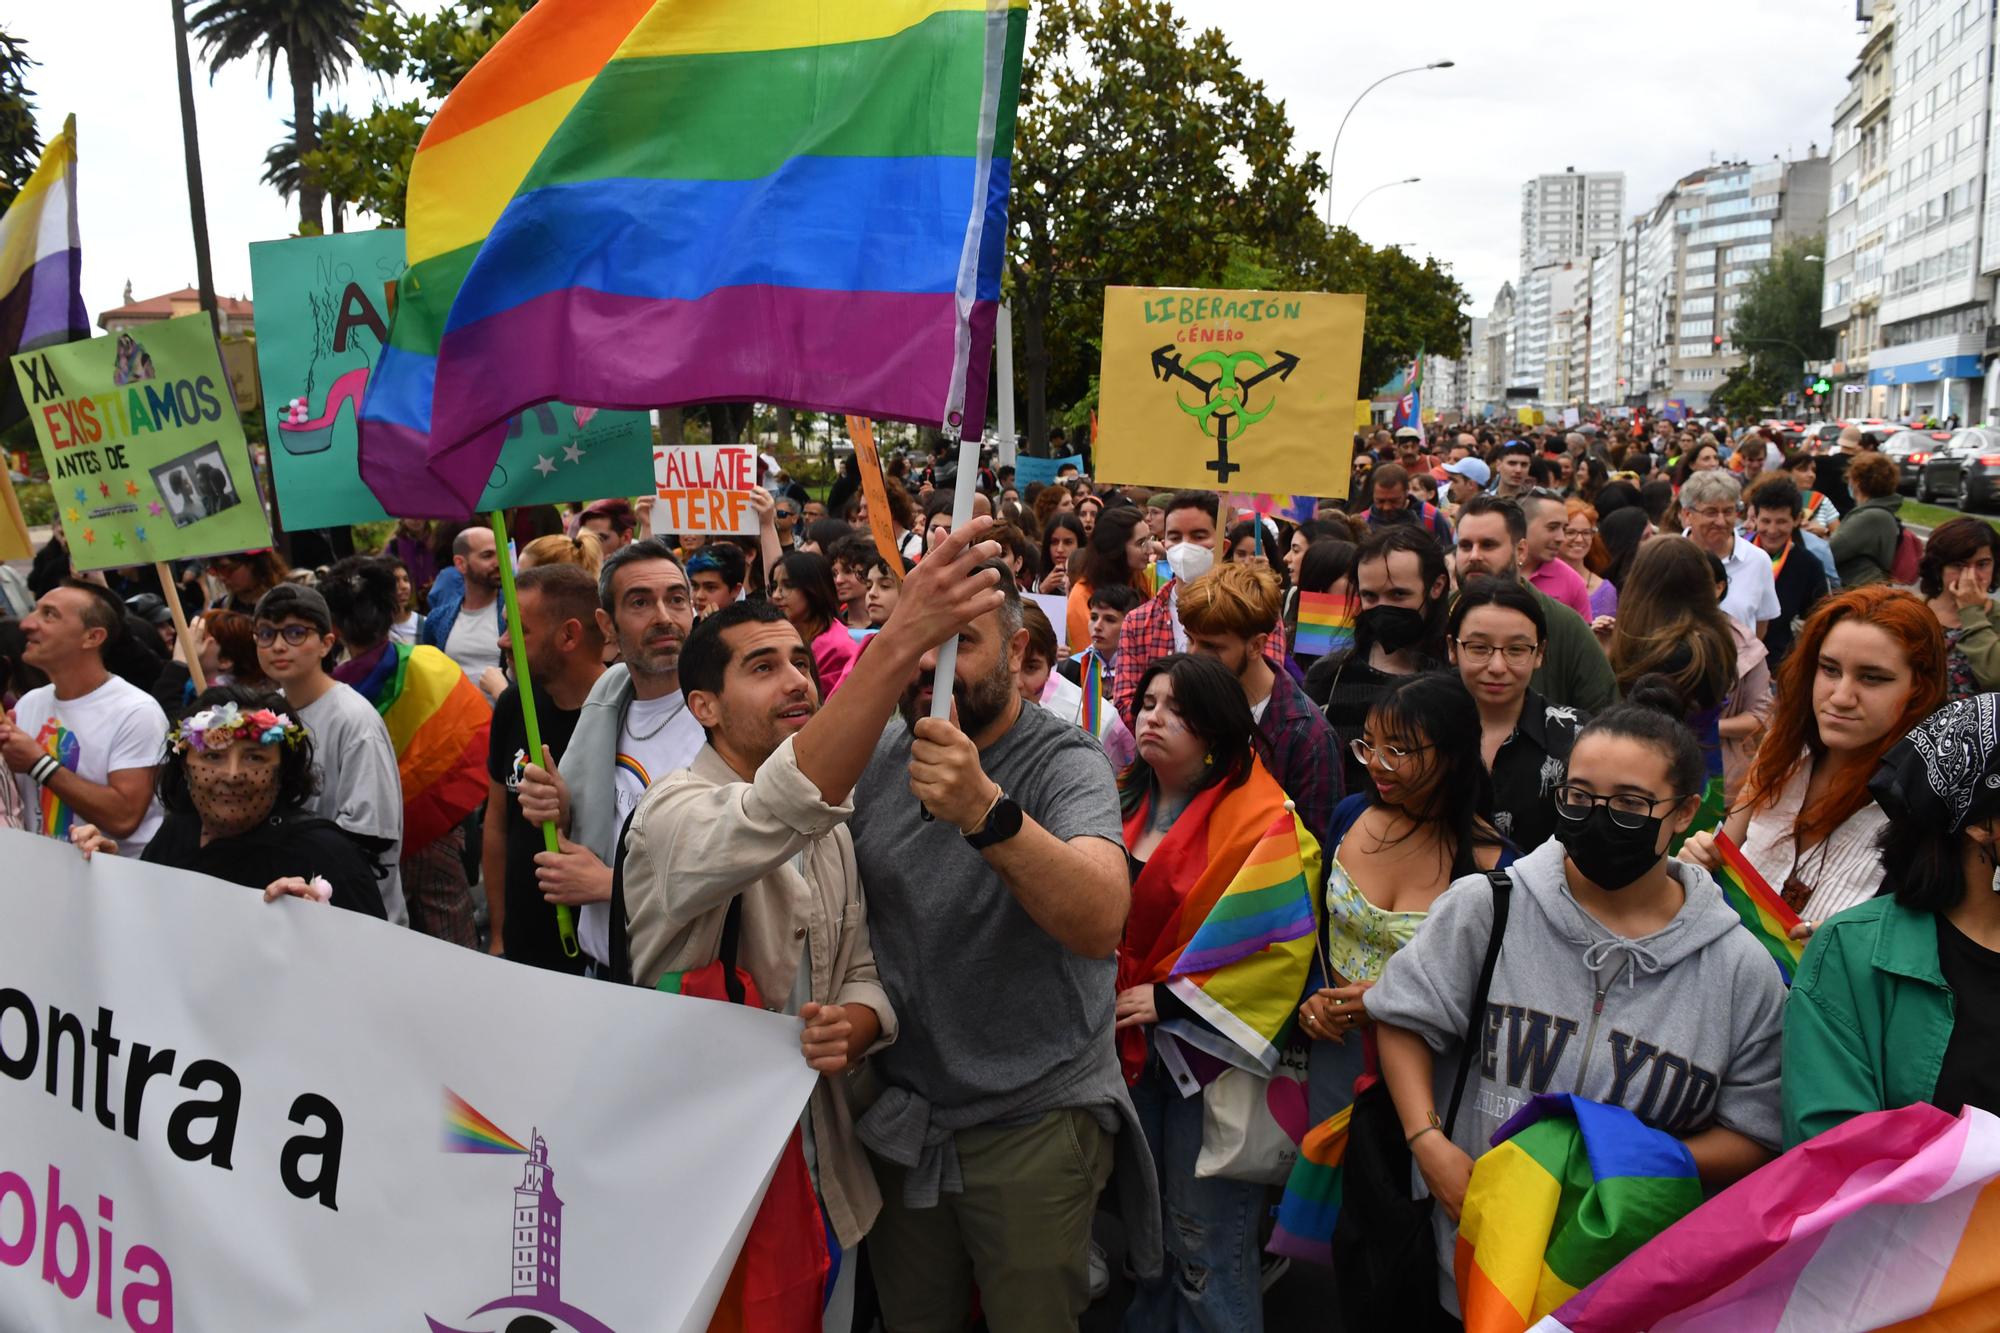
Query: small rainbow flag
[
  {"x": 466, "y": 1130},
  {"x": 1092, "y": 715},
  {"x": 1311, "y": 1202},
  {"x": 1326, "y": 624},
  {"x": 1570, "y": 1188},
  {"x": 1764, "y": 913}
]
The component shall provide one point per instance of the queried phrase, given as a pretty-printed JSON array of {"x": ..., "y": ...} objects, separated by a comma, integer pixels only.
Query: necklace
[{"x": 666, "y": 715}]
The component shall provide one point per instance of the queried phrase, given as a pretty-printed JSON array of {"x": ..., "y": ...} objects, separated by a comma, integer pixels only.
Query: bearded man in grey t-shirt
[{"x": 995, "y": 921}]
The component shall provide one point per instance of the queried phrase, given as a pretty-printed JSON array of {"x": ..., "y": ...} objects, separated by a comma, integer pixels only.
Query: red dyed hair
[{"x": 1794, "y": 734}]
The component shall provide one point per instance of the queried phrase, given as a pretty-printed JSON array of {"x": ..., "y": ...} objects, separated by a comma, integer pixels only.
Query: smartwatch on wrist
[{"x": 1003, "y": 821}]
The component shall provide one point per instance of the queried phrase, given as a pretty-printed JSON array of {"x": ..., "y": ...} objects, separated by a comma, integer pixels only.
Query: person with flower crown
[{"x": 235, "y": 780}]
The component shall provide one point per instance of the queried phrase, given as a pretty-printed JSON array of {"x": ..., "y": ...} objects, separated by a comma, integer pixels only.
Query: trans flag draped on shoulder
[
  {"x": 1891, "y": 1220},
  {"x": 642, "y": 203},
  {"x": 1223, "y": 915},
  {"x": 1569, "y": 1188},
  {"x": 439, "y": 723}
]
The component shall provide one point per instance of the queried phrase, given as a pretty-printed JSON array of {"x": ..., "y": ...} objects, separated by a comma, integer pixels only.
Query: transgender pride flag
[{"x": 41, "y": 266}]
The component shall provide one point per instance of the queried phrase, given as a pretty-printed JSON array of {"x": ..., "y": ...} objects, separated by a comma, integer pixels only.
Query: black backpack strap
[
  {"x": 732, "y": 933},
  {"x": 618, "y": 967},
  {"x": 1503, "y": 892}
]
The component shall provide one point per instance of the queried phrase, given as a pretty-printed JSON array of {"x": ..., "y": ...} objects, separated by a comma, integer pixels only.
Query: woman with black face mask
[
  {"x": 236, "y": 775},
  {"x": 1622, "y": 977}
]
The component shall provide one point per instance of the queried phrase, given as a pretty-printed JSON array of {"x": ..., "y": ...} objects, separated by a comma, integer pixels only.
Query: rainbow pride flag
[
  {"x": 1326, "y": 624},
  {"x": 439, "y": 723},
  {"x": 1569, "y": 1188},
  {"x": 1890, "y": 1221},
  {"x": 466, "y": 1130},
  {"x": 1311, "y": 1202},
  {"x": 636, "y": 203},
  {"x": 1764, "y": 913}
]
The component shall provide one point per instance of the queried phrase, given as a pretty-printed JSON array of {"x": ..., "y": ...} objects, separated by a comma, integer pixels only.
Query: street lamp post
[
  {"x": 1385, "y": 185},
  {"x": 1414, "y": 69}
]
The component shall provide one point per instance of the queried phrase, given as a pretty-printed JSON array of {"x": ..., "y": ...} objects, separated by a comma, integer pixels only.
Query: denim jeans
[{"x": 1212, "y": 1281}]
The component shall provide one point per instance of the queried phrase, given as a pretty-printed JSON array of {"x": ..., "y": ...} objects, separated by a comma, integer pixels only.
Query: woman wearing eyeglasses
[
  {"x": 1868, "y": 665},
  {"x": 1623, "y": 977},
  {"x": 1496, "y": 636}
]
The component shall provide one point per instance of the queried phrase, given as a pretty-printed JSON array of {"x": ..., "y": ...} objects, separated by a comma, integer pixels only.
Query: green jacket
[
  {"x": 1864, "y": 545},
  {"x": 1868, "y": 1018},
  {"x": 1574, "y": 672},
  {"x": 1979, "y": 642}
]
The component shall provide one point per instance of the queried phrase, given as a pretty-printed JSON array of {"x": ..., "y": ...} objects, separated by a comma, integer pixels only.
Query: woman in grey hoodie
[{"x": 1623, "y": 977}]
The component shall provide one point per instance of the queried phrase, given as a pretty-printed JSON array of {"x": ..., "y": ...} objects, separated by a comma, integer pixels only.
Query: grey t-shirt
[
  {"x": 360, "y": 788},
  {"x": 991, "y": 1002}
]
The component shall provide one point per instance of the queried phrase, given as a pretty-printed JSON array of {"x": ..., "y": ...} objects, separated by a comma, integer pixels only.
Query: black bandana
[{"x": 1946, "y": 767}]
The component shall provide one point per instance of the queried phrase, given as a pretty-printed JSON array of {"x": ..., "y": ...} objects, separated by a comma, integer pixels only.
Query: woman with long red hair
[{"x": 1867, "y": 666}]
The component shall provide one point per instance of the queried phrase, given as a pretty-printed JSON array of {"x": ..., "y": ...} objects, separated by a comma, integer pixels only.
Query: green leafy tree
[
  {"x": 370, "y": 154},
  {"x": 1777, "y": 326},
  {"x": 317, "y": 40},
  {"x": 1412, "y": 305},
  {"x": 1144, "y": 155},
  {"x": 20, "y": 146}
]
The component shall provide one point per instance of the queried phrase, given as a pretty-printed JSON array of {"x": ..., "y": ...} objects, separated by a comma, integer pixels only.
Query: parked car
[
  {"x": 1910, "y": 450},
  {"x": 1966, "y": 472}
]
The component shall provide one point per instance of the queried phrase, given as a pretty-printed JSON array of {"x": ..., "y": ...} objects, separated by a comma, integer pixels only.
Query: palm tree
[
  {"x": 282, "y": 171},
  {"x": 317, "y": 39}
]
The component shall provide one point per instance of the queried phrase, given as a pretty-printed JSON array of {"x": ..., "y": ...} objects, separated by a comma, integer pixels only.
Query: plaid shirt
[
  {"x": 1302, "y": 753},
  {"x": 1148, "y": 635}
]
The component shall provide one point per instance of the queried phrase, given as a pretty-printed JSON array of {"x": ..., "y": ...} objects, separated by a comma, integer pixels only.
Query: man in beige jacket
[{"x": 761, "y": 815}]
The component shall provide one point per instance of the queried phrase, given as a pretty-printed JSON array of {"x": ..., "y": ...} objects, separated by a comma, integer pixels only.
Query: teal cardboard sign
[{"x": 322, "y": 312}]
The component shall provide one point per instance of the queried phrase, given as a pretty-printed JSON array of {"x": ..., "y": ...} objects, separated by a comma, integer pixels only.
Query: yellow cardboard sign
[
  {"x": 1364, "y": 413},
  {"x": 1228, "y": 391}
]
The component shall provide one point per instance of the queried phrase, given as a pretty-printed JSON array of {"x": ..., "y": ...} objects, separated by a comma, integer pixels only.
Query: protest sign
[
  {"x": 1056, "y": 607},
  {"x": 705, "y": 488},
  {"x": 869, "y": 463},
  {"x": 223, "y": 1114},
  {"x": 15, "y": 543},
  {"x": 1217, "y": 390},
  {"x": 145, "y": 452},
  {"x": 1030, "y": 471},
  {"x": 322, "y": 313}
]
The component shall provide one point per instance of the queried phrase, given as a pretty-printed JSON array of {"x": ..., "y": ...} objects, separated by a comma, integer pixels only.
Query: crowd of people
[{"x": 1566, "y": 672}]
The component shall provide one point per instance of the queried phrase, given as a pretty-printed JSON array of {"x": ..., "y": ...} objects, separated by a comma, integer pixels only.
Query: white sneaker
[{"x": 1100, "y": 1272}]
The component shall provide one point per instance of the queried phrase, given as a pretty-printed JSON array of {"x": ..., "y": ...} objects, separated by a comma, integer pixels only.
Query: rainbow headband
[{"x": 218, "y": 728}]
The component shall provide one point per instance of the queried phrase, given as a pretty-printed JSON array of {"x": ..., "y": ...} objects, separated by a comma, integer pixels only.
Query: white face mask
[{"x": 1189, "y": 561}]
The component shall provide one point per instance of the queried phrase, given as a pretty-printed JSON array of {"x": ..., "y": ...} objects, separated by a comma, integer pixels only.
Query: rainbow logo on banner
[
  {"x": 1326, "y": 624},
  {"x": 1764, "y": 913},
  {"x": 466, "y": 1130}
]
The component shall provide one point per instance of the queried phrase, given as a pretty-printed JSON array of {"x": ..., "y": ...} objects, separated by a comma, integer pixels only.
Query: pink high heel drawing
[{"x": 302, "y": 436}]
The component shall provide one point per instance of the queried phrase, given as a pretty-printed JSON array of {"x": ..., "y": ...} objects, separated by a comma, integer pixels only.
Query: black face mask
[
  {"x": 1390, "y": 628},
  {"x": 1610, "y": 857}
]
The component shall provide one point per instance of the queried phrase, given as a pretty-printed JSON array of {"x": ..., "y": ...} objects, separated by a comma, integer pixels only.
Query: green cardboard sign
[
  {"x": 145, "y": 452},
  {"x": 322, "y": 312}
]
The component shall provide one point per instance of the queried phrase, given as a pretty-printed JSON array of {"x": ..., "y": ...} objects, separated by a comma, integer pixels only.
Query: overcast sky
[{"x": 1655, "y": 91}]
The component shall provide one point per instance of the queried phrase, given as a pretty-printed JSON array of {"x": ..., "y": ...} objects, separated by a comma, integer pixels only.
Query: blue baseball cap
[{"x": 1471, "y": 469}]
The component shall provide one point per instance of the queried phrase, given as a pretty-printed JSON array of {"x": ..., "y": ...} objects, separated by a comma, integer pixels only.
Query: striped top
[{"x": 1844, "y": 870}]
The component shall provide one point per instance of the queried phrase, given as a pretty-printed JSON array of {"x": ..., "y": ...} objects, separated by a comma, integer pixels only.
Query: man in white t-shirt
[
  {"x": 87, "y": 745},
  {"x": 634, "y": 730},
  {"x": 1711, "y": 504}
]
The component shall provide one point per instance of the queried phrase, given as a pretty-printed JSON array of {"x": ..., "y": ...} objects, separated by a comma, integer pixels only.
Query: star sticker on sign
[
  {"x": 132, "y": 488},
  {"x": 573, "y": 453},
  {"x": 546, "y": 466},
  {"x": 89, "y": 536}
]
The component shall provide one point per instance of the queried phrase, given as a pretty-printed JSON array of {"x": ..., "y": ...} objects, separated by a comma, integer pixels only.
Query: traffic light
[{"x": 1822, "y": 385}]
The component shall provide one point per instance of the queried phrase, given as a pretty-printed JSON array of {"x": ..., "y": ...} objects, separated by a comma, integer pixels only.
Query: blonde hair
[
  {"x": 1233, "y": 598},
  {"x": 582, "y": 550}
]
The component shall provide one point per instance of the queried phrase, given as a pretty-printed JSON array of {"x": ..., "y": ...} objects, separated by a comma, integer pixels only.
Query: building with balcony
[{"x": 1857, "y": 194}]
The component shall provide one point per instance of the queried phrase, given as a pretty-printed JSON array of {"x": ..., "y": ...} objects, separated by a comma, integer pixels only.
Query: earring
[{"x": 1208, "y": 761}]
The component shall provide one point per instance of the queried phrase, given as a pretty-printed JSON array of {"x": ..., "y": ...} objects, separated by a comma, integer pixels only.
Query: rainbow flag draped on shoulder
[
  {"x": 41, "y": 266},
  {"x": 1890, "y": 1221},
  {"x": 1764, "y": 913},
  {"x": 1569, "y": 1188},
  {"x": 1224, "y": 915},
  {"x": 637, "y": 203},
  {"x": 439, "y": 723}
]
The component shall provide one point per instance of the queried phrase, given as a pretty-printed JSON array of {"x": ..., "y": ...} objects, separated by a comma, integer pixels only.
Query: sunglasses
[{"x": 266, "y": 635}]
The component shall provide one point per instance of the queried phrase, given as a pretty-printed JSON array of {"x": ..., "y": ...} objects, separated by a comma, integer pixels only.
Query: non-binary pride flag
[
  {"x": 41, "y": 266},
  {"x": 1570, "y": 1187},
  {"x": 641, "y": 203},
  {"x": 1891, "y": 1220}
]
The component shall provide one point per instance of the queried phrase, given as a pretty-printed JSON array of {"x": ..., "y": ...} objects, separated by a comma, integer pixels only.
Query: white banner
[{"x": 220, "y": 1115}]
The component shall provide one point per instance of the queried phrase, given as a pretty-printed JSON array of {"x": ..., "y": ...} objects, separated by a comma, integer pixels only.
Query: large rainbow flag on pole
[
  {"x": 643, "y": 203},
  {"x": 41, "y": 266},
  {"x": 1569, "y": 1188},
  {"x": 1890, "y": 1221},
  {"x": 439, "y": 723}
]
